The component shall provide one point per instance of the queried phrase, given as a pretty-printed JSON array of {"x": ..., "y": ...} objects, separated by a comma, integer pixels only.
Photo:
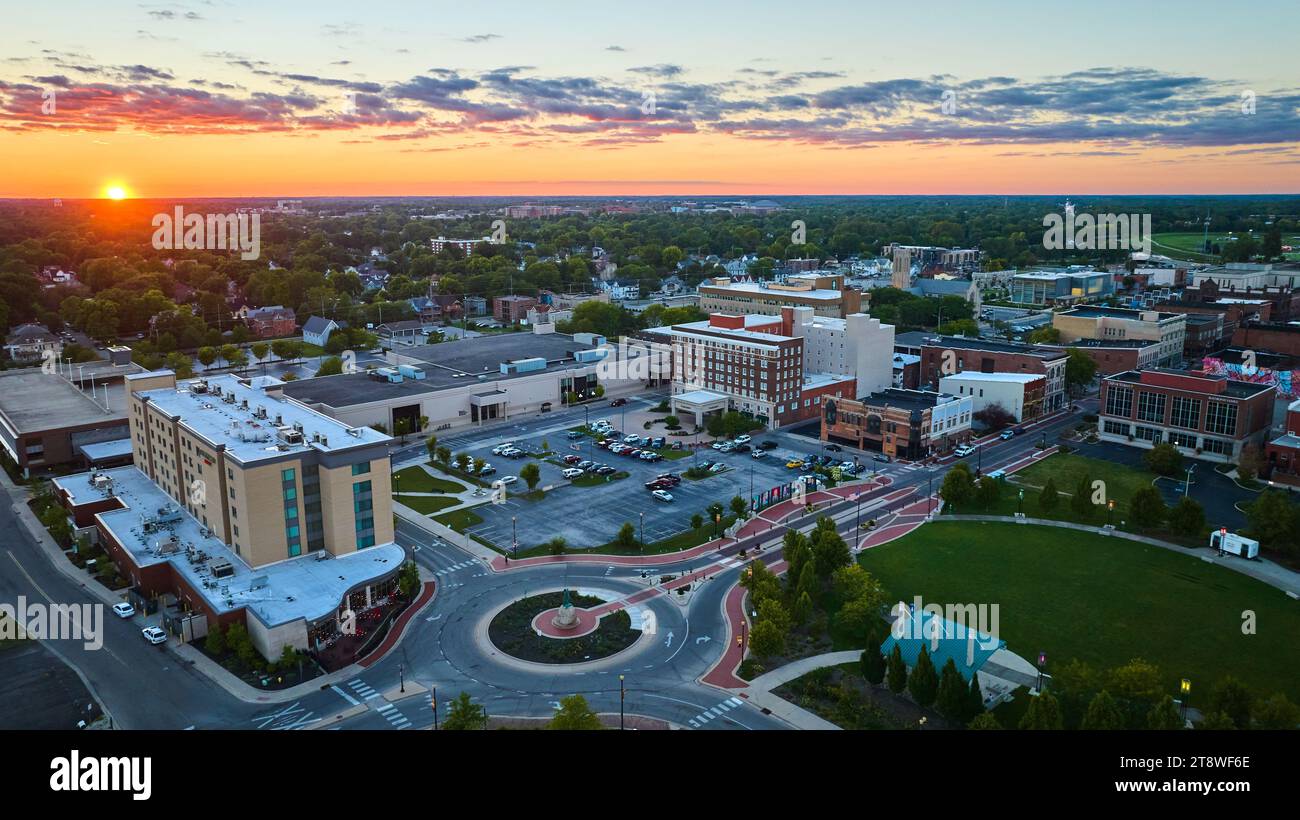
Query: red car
[{"x": 572, "y": 459}]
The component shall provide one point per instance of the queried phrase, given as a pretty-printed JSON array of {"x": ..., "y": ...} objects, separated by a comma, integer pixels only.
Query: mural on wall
[{"x": 1285, "y": 382}]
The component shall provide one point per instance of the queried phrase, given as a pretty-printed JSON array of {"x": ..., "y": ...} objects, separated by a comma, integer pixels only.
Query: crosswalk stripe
[
  {"x": 736, "y": 701},
  {"x": 346, "y": 696}
]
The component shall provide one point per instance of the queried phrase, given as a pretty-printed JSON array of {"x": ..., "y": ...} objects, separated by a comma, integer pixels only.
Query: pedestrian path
[
  {"x": 394, "y": 717},
  {"x": 455, "y": 567},
  {"x": 362, "y": 689},
  {"x": 715, "y": 712}
]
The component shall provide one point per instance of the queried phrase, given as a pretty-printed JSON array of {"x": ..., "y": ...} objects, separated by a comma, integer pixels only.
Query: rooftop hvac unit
[
  {"x": 279, "y": 419},
  {"x": 216, "y": 390},
  {"x": 244, "y": 403},
  {"x": 354, "y": 432},
  {"x": 199, "y": 386},
  {"x": 297, "y": 425},
  {"x": 260, "y": 412},
  {"x": 229, "y": 398}
]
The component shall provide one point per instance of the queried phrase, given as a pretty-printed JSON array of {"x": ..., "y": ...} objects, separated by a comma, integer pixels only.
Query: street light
[
  {"x": 929, "y": 492},
  {"x": 622, "y": 693},
  {"x": 642, "y": 533},
  {"x": 1186, "y": 689},
  {"x": 1020, "y": 503},
  {"x": 401, "y": 674},
  {"x": 1187, "y": 485},
  {"x": 514, "y": 537},
  {"x": 717, "y": 523},
  {"x": 1110, "y": 512},
  {"x": 857, "y": 497},
  {"x": 434, "y": 703}
]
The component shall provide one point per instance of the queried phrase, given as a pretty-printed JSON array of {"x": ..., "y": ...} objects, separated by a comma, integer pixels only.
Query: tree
[
  {"x": 1187, "y": 517},
  {"x": 1081, "y": 501},
  {"x": 1250, "y": 463},
  {"x": 858, "y": 616},
  {"x": 872, "y": 663},
  {"x": 215, "y": 642},
  {"x": 1146, "y": 508},
  {"x": 557, "y": 545},
  {"x": 207, "y": 355},
  {"x": 1216, "y": 721},
  {"x": 994, "y": 416},
  {"x": 987, "y": 492},
  {"x": 1232, "y": 698},
  {"x": 1137, "y": 680},
  {"x": 1080, "y": 369},
  {"x": 1164, "y": 715},
  {"x": 1272, "y": 520},
  {"x": 1045, "y": 335},
  {"x": 771, "y": 609},
  {"x": 531, "y": 474},
  {"x": 1163, "y": 459},
  {"x": 574, "y": 715},
  {"x": 896, "y": 673},
  {"x": 1276, "y": 713},
  {"x": 958, "y": 487},
  {"x": 431, "y": 446},
  {"x": 802, "y": 610},
  {"x": 1044, "y": 712},
  {"x": 332, "y": 366},
  {"x": 1048, "y": 496},
  {"x": 627, "y": 535},
  {"x": 952, "y": 696},
  {"x": 829, "y": 550},
  {"x": 259, "y": 350},
  {"x": 408, "y": 580},
  {"x": 923, "y": 682},
  {"x": 1103, "y": 713},
  {"x": 984, "y": 721},
  {"x": 766, "y": 640},
  {"x": 464, "y": 714},
  {"x": 444, "y": 456},
  {"x": 738, "y": 506},
  {"x": 697, "y": 521},
  {"x": 974, "y": 698}
]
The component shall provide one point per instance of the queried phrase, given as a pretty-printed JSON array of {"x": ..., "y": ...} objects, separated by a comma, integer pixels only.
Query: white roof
[
  {"x": 700, "y": 397},
  {"x": 761, "y": 287},
  {"x": 1023, "y": 378},
  {"x": 277, "y": 593}
]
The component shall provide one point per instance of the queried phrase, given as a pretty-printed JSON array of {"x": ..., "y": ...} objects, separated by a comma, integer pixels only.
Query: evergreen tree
[
  {"x": 1164, "y": 715},
  {"x": 574, "y": 714},
  {"x": 1103, "y": 713},
  {"x": 923, "y": 682},
  {"x": 952, "y": 697},
  {"x": 1044, "y": 712},
  {"x": 1233, "y": 699},
  {"x": 984, "y": 720},
  {"x": 1217, "y": 721},
  {"x": 802, "y": 609},
  {"x": 974, "y": 698},
  {"x": 872, "y": 662},
  {"x": 1049, "y": 496},
  {"x": 897, "y": 672},
  {"x": 1081, "y": 502}
]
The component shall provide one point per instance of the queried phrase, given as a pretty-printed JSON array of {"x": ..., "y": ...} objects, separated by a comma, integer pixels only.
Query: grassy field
[
  {"x": 1102, "y": 600},
  {"x": 416, "y": 480},
  {"x": 1184, "y": 245},
  {"x": 459, "y": 520},
  {"x": 427, "y": 504},
  {"x": 1066, "y": 470}
]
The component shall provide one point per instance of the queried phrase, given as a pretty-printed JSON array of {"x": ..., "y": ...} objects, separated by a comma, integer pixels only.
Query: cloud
[{"x": 480, "y": 38}]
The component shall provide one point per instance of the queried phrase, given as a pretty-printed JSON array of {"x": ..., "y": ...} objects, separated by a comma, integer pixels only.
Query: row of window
[
  {"x": 1185, "y": 412},
  {"x": 1156, "y": 436}
]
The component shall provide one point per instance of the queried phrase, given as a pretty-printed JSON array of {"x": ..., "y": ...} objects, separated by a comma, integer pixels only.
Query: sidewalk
[{"x": 759, "y": 691}]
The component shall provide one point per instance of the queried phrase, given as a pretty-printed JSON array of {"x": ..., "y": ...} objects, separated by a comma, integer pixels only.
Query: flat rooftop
[
  {"x": 446, "y": 365},
  {"x": 976, "y": 376},
  {"x": 32, "y": 400},
  {"x": 820, "y": 294},
  {"x": 224, "y": 411},
  {"x": 907, "y": 399},
  {"x": 989, "y": 345},
  {"x": 1235, "y": 389},
  {"x": 1134, "y": 314},
  {"x": 155, "y": 530}
]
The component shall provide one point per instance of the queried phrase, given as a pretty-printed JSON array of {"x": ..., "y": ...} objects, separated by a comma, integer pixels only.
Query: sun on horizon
[{"x": 115, "y": 192}]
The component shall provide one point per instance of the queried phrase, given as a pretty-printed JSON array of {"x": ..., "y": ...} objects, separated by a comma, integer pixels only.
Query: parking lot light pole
[
  {"x": 751, "y": 486},
  {"x": 1187, "y": 485},
  {"x": 622, "y": 694},
  {"x": 643, "y": 533},
  {"x": 929, "y": 492},
  {"x": 1185, "y": 688},
  {"x": 858, "y": 498},
  {"x": 514, "y": 537}
]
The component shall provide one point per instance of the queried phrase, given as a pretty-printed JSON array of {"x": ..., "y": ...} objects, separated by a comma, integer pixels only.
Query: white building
[
  {"x": 856, "y": 346},
  {"x": 1013, "y": 392}
]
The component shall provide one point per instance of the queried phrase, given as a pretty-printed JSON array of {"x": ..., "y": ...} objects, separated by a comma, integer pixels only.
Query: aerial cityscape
[{"x": 395, "y": 369}]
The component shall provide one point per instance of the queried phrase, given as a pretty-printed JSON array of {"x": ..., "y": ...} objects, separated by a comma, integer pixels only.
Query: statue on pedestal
[{"x": 565, "y": 618}]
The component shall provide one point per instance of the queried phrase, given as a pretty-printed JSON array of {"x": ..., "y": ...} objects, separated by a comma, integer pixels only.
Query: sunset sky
[{"x": 234, "y": 98}]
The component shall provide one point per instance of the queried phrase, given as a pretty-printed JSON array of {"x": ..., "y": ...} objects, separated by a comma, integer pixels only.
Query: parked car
[
  {"x": 767, "y": 444},
  {"x": 571, "y": 459},
  {"x": 742, "y": 439},
  {"x": 677, "y": 445},
  {"x": 657, "y": 484},
  {"x": 573, "y": 435},
  {"x": 154, "y": 635},
  {"x": 632, "y": 438},
  {"x": 717, "y": 445},
  {"x": 487, "y": 469},
  {"x": 881, "y": 457},
  {"x": 618, "y": 402},
  {"x": 123, "y": 610},
  {"x": 742, "y": 448},
  {"x": 657, "y": 442},
  {"x": 572, "y": 473},
  {"x": 793, "y": 464},
  {"x": 671, "y": 477},
  {"x": 758, "y": 454},
  {"x": 834, "y": 448},
  {"x": 717, "y": 468},
  {"x": 662, "y": 495},
  {"x": 582, "y": 465},
  {"x": 508, "y": 479},
  {"x": 605, "y": 470}
]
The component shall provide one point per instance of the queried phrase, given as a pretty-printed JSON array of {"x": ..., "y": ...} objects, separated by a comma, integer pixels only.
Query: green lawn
[
  {"x": 1184, "y": 245},
  {"x": 1102, "y": 600},
  {"x": 417, "y": 480},
  {"x": 681, "y": 541},
  {"x": 459, "y": 520},
  {"x": 1066, "y": 470},
  {"x": 427, "y": 504}
]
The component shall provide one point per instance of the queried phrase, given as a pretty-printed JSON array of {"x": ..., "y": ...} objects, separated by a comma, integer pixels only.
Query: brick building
[
  {"x": 512, "y": 309},
  {"x": 1203, "y": 415},
  {"x": 903, "y": 424},
  {"x": 988, "y": 356},
  {"x": 1282, "y": 454}
]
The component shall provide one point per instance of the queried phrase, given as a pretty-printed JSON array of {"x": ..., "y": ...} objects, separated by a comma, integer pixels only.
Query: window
[
  {"x": 1147, "y": 434},
  {"x": 1119, "y": 401},
  {"x": 1116, "y": 428},
  {"x": 1221, "y": 417},
  {"x": 1182, "y": 440},
  {"x": 287, "y": 475},
  {"x": 1185, "y": 413},
  {"x": 1151, "y": 406},
  {"x": 1216, "y": 445}
]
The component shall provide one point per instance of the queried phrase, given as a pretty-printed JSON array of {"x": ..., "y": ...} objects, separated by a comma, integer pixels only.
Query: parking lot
[{"x": 591, "y": 516}]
